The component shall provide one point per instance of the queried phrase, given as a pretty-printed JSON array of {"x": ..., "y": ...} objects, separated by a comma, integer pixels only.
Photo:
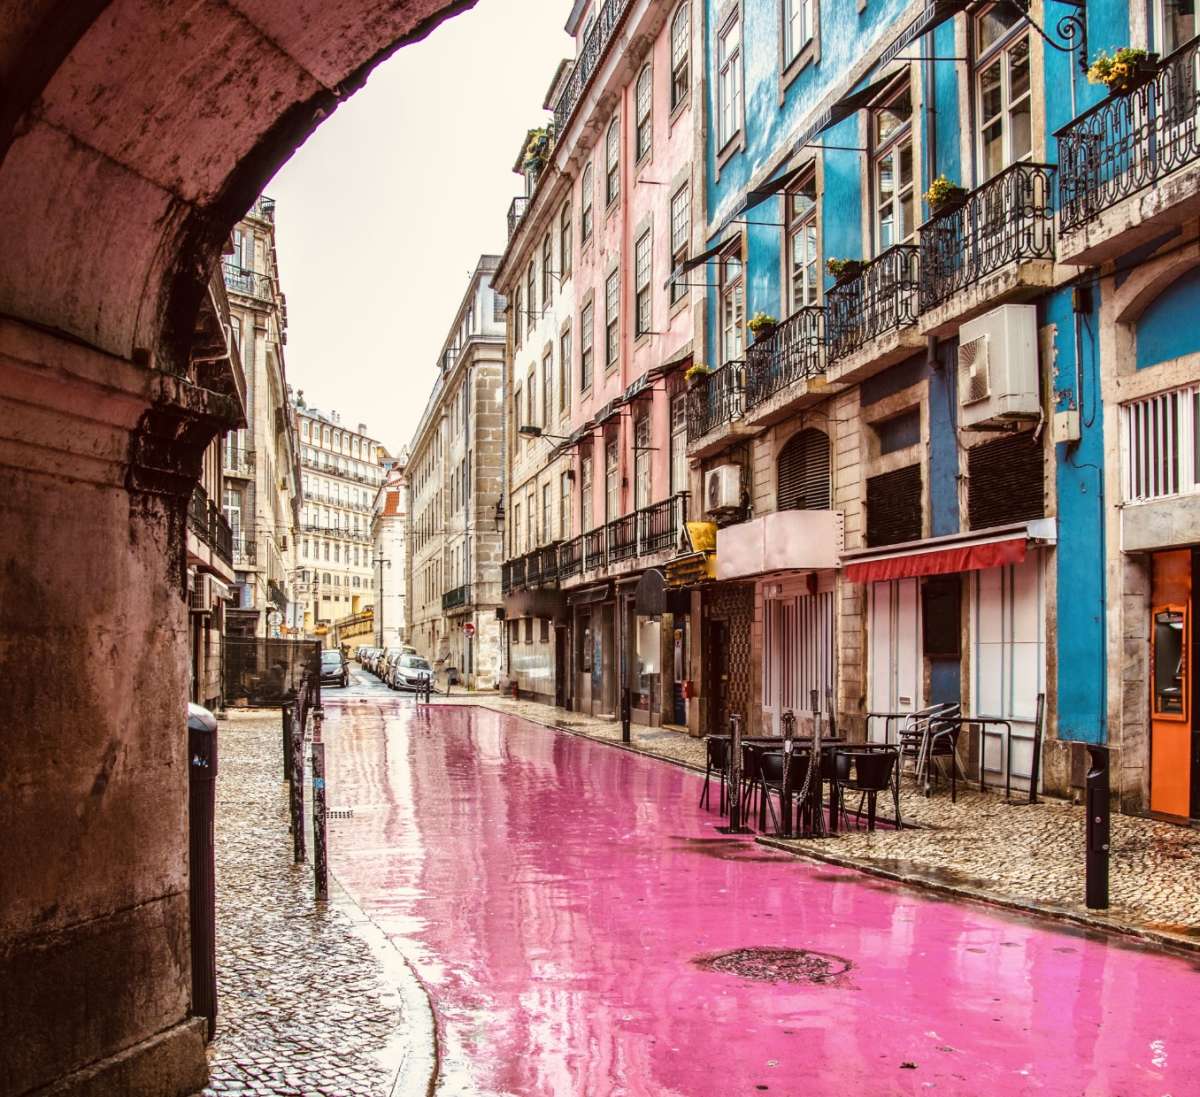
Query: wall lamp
[{"x": 530, "y": 431}]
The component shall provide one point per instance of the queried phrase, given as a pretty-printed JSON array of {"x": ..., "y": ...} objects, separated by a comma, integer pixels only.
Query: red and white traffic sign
[{"x": 469, "y": 629}]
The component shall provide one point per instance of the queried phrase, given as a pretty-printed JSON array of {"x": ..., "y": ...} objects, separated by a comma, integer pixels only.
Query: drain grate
[
  {"x": 778, "y": 965},
  {"x": 339, "y": 813}
]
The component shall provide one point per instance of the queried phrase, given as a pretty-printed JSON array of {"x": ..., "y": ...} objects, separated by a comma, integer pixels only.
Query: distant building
[
  {"x": 455, "y": 471},
  {"x": 389, "y": 527},
  {"x": 343, "y": 471}
]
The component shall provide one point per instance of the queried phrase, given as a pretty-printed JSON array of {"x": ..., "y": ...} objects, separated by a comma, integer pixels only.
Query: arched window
[
  {"x": 680, "y": 52},
  {"x": 612, "y": 162},
  {"x": 645, "y": 123},
  {"x": 802, "y": 481},
  {"x": 585, "y": 196}
]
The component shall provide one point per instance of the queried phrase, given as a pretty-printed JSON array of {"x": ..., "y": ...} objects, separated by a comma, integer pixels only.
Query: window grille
[{"x": 1160, "y": 442}]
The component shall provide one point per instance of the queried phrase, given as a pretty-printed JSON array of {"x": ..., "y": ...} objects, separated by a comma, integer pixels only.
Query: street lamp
[{"x": 530, "y": 431}]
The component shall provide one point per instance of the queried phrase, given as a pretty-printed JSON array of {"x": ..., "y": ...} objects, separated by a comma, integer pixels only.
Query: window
[
  {"x": 899, "y": 432},
  {"x": 585, "y": 492},
  {"x": 729, "y": 82},
  {"x": 797, "y": 28},
  {"x": 642, "y": 284},
  {"x": 547, "y": 515},
  {"x": 517, "y": 405},
  {"x": 733, "y": 307},
  {"x": 680, "y": 52},
  {"x": 641, "y": 462},
  {"x": 1173, "y": 23},
  {"x": 1160, "y": 442},
  {"x": 531, "y": 397},
  {"x": 531, "y": 517},
  {"x": 585, "y": 196},
  {"x": 612, "y": 162},
  {"x": 681, "y": 227},
  {"x": 612, "y": 480},
  {"x": 564, "y": 507},
  {"x": 547, "y": 387},
  {"x": 529, "y": 630},
  {"x": 612, "y": 319},
  {"x": 518, "y": 529},
  {"x": 499, "y": 306},
  {"x": 547, "y": 271},
  {"x": 564, "y": 371},
  {"x": 1002, "y": 89},
  {"x": 893, "y": 169},
  {"x": 804, "y": 278},
  {"x": 644, "y": 99},
  {"x": 518, "y": 319},
  {"x": 679, "y": 468},
  {"x": 564, "y": 242},
  {"x": 531, "y": 292},
  {"x": 586, "y": 332},
  {"x": 802, "y": 472},
  {"x": 235, "y": 329},
  {"x": 304, "y": 429}
]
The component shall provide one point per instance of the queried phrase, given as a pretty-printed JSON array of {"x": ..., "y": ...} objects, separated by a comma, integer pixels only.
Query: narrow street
[{"x": 582, "y": 927}]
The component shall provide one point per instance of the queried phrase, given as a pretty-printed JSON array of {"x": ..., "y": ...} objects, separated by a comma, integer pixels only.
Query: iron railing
[
  {"x": 570, "y": 557},
  {"x": 793, "y": 352},
  {"x": 207, "y": 522},
  {"x": 1008, "y": 219},
  {"x": 881, "y": 298},
  {"x": 245, "y": 551},
  {"x": 249, "y": 283},
  {"x": 659, "y": 524},
  {"x": 622, "y": 537},
  {"x": 456, "y": 598},
  {"x": 533, "y": 568},
  {"x": 515, "y": 212},
  {"x": 516, "y": 573},
  {"x": 547, "y": 557},
  {"x": 593, "y": 548},
  {"x": 590, "y": 55},
  {"x": 238, "y": 462},
  {"x": 198, "y": 513},
  {"x": 714, "y": 400},
  {"x": 1128, "y": 142},
  {"x": 263, "y": 209}
]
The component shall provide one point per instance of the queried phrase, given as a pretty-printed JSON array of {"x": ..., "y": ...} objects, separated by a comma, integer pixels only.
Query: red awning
[{"x": 946, "y": 561}]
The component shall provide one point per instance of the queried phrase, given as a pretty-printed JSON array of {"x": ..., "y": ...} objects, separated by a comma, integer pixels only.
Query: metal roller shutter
[{"x": 803, "y": 472}]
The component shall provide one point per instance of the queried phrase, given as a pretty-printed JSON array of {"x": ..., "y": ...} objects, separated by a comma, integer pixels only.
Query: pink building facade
[{"x": 609, "y": 205}]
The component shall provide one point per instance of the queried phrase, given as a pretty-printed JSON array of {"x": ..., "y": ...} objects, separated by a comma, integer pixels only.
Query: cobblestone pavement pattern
[
  {"x": 1017, "y": 853},
  {"x": 303, "y": 1011}
]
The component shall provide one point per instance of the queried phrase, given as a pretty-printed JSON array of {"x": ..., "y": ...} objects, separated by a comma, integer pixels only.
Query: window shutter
[
  {"x": 894, "y": 507},
  {"x": 803, "y": 472},
  {"x": 1006, "y": 481}
]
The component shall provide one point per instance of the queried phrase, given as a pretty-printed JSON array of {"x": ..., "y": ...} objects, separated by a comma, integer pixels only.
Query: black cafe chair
[
  {"x": 868, "y": 772},
  {"x": 716, "y": 761}
]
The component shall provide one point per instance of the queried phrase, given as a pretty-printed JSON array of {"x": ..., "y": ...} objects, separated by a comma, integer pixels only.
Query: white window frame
[
  {"x": 612, "y": 162},
  {"x": 803, "y": 279},
  {"x": 892, "y": 147},
  {"x": 644, "y": 106},
  {"x": 1167, "y": 419},
  {"x": 681, "y": 51},
  {"x": 999, "y": 53},
  {"x": 681, "y": 231},
  {"x": 643, "y": 252},
  {"x": 729, "y": 81},
  {"x": 798, "y": 21},
  {"x": 733, "y": 306}
]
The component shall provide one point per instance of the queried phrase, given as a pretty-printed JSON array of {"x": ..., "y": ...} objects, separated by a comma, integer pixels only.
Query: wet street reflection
[{"x": 582, "y": 928}]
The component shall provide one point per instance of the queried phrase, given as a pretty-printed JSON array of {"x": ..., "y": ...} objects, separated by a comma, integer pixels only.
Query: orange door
[{"x": 1170, "y": 695}]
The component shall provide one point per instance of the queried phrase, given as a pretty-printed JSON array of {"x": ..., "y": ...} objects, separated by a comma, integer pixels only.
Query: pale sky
[{"x": 382, "y": 215}]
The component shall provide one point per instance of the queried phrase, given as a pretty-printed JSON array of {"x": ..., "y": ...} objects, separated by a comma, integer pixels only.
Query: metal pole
[
  {"x": 286, "y": 712},
  {"x": 1097, "y": 828},
  {"x": 1036, "y": 768},
  {"x": 785, "y": 796},
  {"x": 626, "y": 714},
  {"x": 735, "y": 774},
  {"x": 320, "y": 860},
  {"x": 297, "y": 792},
  {"x": 817, "y": 810}
]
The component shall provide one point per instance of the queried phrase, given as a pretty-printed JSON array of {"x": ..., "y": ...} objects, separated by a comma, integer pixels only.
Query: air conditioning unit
[
  {"x": 723, "y": 488},
  {"x": 202, "y": 594},
  {"x": 998, "y": 367}
]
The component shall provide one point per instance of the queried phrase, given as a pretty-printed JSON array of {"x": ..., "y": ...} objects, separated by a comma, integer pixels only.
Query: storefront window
[{"x": 1170, "y": 650}]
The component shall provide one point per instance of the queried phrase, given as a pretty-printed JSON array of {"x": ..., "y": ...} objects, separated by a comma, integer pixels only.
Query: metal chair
[
  {"x": 868, "y": 772},
  {"x": 716, "y": 761}
]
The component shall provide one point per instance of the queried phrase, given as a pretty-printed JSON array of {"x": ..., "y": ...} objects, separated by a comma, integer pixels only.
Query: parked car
[
  {"x": 334, "y": 668},
  {"x": 409, "y": 672}
]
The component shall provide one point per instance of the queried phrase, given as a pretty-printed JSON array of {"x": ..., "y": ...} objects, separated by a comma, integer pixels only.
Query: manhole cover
[{"x": 778, "y": 965}]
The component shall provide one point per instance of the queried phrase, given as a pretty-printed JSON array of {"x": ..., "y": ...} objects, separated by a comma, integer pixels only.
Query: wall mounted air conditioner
[
  {"x": 202, "y": 594},
  {"x": 998, "y": 367},
  {"x": 723, "y": 488}
]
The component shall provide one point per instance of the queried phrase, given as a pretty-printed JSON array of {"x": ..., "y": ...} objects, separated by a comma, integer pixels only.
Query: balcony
[
  {"x": 512, "y": 575},
  {"x": 263, "y": 209},
  {"x": 237, "y": 462},
  {"x": 458, "y": 598},
  {"x": 658, "y": 525},
  {"x": 515, "y": 212},
  {"x": 715, "y": 403},
  {"x": 785, "y": 367},
  {"x": 622, "y": 538},
  {"x": 245, "y": 552},
  {"x": 248, "y": 283},
  {"x": 590, "y": 55},
  {"x": 997, "y": 246},
  {"x": 871, "y": 319},
  {"x": 570, "y": 558},
  {"x": 1128, "y": 167},
  {"x": 594, "y": 549},
  {"x": 210, "y": 533}
]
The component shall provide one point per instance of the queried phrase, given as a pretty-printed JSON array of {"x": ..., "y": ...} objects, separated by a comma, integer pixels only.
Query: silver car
[{"x": 409, "y": 672}]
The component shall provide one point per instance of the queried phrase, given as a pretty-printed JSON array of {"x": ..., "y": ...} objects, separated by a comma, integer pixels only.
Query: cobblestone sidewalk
[
  {"x": 1016, "y": 854},
  {"x": 303, "y": 1011}
]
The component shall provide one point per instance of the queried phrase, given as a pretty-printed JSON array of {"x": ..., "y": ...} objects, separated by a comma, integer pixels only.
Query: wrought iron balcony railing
[
  {"x": 1128, "y": 142},
  {"x": 249, "y": 283},
  {"x": 198, "y": 513},
  {"x": 533, "y": 568},
  {"x": 547, "y": 557},
  {"x": 263, "y": 209},
  {"x": 714, "y": 400},
  {"x": 457, "y": 598},
  {"x": 659, "y": 524},
  {"x": 1008, "y": 219},
  {"x": 590, "y": 55},
  {"x": 622, "y": 537},
  {"x": 882, "y": 298},
  {"x": 570, "y": 557},
  {"x": 594, "y": 549},
  {"x": 245, "y": 551},
  {"x": 515, "y": 212},
  {"x": 793, "y": 352},
  {"x": 220, "y": 533},
  {"x": 238, "y": 462}
]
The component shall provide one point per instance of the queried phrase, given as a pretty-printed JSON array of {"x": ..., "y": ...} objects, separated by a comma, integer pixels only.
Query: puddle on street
[{"x": 582, "y": 928}]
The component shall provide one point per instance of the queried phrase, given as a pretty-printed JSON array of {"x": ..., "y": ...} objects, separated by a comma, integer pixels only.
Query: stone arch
[{"x": 803, "y": 473}]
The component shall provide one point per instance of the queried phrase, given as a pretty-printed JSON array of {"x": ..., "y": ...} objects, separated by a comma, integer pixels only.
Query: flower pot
[
  {"x": 764, "y": 332},
  {"x": 1141, "y": 71},
  {"x": 849, "y": 272},
  {"x": 954, "y": 198}
]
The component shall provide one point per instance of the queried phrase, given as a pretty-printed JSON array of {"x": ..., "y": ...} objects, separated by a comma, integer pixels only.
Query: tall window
[
  {"x": 517, "y": 424},
  {"x": 612, "y": 480},
  {"x": 564, "y": 371},
  {"x": 612, "y": 319},
  {"x": 564, "y": 241},
  {"x": 518, "y": 318},
  {"x": 585, "y": 492},
  {"x": 679, "y": 478},
  {"x": 642, "y": 284},
  {"x": 531, "y": 397},
  {"x": 531, "y": 291},
  {"x": 641, "y": 462},
  {"x": 644, "y": 99},
  {"x": 893, "y": 169},
  {"x": 1002, "y": 89},
  {"x": 564, "y": 507},
  {"x": 547, "y": 514},
  {"x": 547, "y": 387},
  {"x": 547, "y": 270},
  {"x": 797, "y": 28},
  {"x": 586, "y": 331},
  {"x": 585, "y": 205},
  {"x": 531, "y": 518},
  {"x": 681, "y": 226},
  {"x": 803, "y": 275},
  {"x": 729, "y": 82},
  {"x": 680, "y": 52},
  {"x": 733, "y": 307},
  {"x": 1173, "y": 22},
  {"x": 612, "y": 162}
]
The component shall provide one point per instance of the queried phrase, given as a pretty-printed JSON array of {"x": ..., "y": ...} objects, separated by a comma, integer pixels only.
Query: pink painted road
[{"x": 558, "y": 898}]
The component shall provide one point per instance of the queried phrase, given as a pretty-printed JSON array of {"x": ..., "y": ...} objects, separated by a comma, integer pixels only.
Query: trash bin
[{"x": 202, "y": 897}]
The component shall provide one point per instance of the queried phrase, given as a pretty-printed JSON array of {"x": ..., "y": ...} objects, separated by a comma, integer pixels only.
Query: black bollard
[
  {"x": 1098, "y": 828},
  {"x": 626, "y": 715},
  {"x": 735, "y": 777},
  {"x": 296, "y": 799},
  {"x": 320, "y": 857},
  {"x": 785, "y": 794}
]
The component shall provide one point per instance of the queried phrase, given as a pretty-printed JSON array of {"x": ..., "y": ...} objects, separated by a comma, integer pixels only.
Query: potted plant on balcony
[
  {"x": 945, "y": 195},
  {"x": 843, "y": 270},
  {"x": 1126, "y": 69},
  {"x": 762, "y": 325},
  {"x": 537, "y": 150},
  {"x": 695, "y": 373}
]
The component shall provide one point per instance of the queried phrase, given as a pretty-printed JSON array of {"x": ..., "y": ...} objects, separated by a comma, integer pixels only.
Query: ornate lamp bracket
[{"x": 1071, "y": 29}]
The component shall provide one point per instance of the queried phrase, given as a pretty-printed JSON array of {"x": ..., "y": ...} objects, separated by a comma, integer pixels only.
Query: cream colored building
[
  {"x": 342, "y": 473},
  {"x": 389, "y": 535}
]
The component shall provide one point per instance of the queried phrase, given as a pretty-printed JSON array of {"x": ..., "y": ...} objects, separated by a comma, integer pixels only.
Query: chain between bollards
[
  {"x": 296, "y": 792},
  {"x": 785, "y": 795}
]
